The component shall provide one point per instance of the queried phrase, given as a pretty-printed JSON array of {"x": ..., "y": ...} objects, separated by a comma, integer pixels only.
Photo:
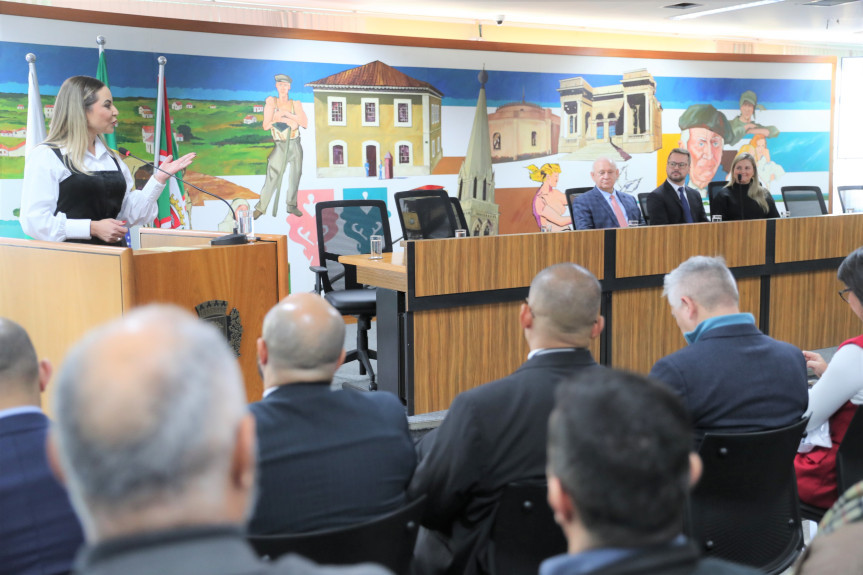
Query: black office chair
[
  {"x": 803, "y": 201},
  {"x": 524, "y": 532},
  {"x": 849, "y": 465},
  {"x": 571, "y": 194},
  {"x": 642, "y": 203},
  {"x": 344, "y": 228},
  {"x": 745, "y": 507},
  {"x": 387, "y": 540},
  {"x": 458, "y": 213},
  {"x": 712, "y": 190},
  {"x": 851, "y": 198},
  {"x": 426, "y": 214}
]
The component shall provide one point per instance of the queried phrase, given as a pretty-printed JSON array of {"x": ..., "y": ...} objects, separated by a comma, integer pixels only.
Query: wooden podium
[{"x": 58, "y": 291}]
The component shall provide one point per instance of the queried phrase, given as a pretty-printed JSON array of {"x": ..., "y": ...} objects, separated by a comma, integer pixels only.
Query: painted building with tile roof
[{"x": 363, "y": 113}]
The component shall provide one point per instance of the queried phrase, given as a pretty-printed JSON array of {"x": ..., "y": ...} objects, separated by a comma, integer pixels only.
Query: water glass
[
  {"x": 245, "y": 224},
  {"x": 461, "y": 233},
  {"x": 633, "y": 223},
  {"x": 716, "y": 218},
  {"x": 377, "y": 246}
]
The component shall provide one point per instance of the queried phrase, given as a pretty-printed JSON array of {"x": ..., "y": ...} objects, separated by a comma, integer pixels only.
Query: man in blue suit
[
  {"x": 39, "y": 532},
  {"x": 731, "y": 377},
  {"x": 603, "y": 206}
]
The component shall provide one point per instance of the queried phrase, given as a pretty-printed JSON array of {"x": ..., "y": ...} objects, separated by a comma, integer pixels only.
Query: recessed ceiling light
[
  {"x": 725, "y": 9},
  {"x": 829, "y": 2},
  {"x": 683, "y": 6}
]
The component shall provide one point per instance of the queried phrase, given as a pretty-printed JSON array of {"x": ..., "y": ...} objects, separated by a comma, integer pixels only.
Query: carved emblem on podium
[{"x": 215, "y": 311}]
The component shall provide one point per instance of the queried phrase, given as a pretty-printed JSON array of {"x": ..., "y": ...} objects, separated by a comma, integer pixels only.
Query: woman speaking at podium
[{"x": 75, "y": 188}]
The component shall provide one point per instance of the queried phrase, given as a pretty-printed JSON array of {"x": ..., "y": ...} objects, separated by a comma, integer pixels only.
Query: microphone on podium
[{"x": 226, "y": 240}]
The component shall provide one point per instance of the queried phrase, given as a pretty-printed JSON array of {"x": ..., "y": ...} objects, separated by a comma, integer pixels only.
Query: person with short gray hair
[
  {"x": 39, "y": 532},
  {"x": 328, "y": 458},
  {"x": 732, "y": 377},
  {"x": 158, "y": 450},
  {"x": 495, "y": 434}
]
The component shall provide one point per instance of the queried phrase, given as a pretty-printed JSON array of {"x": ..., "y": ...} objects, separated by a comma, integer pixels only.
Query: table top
[{"x": 390, "y": 272}]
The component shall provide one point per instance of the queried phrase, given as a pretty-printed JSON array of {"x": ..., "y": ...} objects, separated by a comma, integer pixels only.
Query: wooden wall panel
[
  {"x": 446, "y": 338},
  {"x": 659, "y": 249},
  {"x": 801, "y": 239},
  {"x": 793, "y": 296},
  {"x": 644, "y": 329},
  {"x": 499, "y": 262}
]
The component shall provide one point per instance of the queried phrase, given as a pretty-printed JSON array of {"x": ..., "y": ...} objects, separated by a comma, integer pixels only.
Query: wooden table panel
[
  {"x": 389, "y": 272},
  {"x": 451, "y": 358},
  {"x": 460, "y": 265},
  {"x": 644, "y": 329},
  {"x": 801, "y": 239},
  {"x": 792, "y": 297},
  {"x": 659, "y": 249}
]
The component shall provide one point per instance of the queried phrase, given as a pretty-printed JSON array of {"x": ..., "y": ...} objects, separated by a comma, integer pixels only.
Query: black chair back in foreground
[
  {"x": 426, "y": 214},
  {"x": 851, "y": 198},
  {"x": 388, "y": 540},
  {"x": 524, "y": 532},
  {"x": 345, "y": 228},
  {"x": 745, "y": 507},
  {"x": 571, "y": 194},
  {"x": 803, "y": 201}
]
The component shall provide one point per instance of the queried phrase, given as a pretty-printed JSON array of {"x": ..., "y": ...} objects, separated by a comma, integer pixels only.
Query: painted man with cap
[
  {"x": 703, "y": 132},
  {"x": 743, "y": 125},
  {"x": 283, "y": 117}
]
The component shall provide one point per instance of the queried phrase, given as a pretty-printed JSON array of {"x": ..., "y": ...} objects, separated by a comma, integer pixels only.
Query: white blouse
[
  {"x": 43, "y": 172},
  {"x": 841, "y": 381}
]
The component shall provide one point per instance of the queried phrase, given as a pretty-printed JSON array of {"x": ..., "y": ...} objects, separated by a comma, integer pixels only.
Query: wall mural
[{"x": 281, "y": 124}]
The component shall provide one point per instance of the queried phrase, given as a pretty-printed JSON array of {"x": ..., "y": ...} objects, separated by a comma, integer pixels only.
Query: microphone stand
[
  {"x": 740, "y": 183},
  {"x": 233, "y": 239}
]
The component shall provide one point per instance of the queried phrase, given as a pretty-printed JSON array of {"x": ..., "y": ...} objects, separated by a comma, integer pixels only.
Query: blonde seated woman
[
  {"x": 743, "y": 198},
  {"x": 549, "y": 204}
]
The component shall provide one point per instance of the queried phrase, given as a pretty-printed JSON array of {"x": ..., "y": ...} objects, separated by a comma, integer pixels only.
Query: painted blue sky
[{"x": 134, "y": 74}]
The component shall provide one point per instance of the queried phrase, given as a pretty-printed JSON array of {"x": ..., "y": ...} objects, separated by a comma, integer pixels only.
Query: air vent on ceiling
[
  {"x": 829, "y": 2},
  {"x": 683, "y": 6}
]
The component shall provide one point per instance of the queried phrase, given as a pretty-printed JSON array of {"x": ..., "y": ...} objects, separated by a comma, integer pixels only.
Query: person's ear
[
  {"x": 342, "y": 357},
  {"x": 696, "y": 466},
  {"x": 263, "y": 353},
  {"x": 597, "y": 328},
  {"x": 689, "y": 307},
  {"x": 525, "y": 316},
  {"x": 46, "y": 370},
  {"x": 245, "y": 454},
  {"x": 53, "y": 455},
  {"x": 559, "y": 501}
]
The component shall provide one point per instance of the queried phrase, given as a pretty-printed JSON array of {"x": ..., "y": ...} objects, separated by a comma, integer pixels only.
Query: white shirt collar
[{"x": 20, "y": 410}]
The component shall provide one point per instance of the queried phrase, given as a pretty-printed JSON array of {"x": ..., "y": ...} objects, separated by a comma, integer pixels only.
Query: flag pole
[
  {"x": 160, "y": 110},
  {"x": 35, "y": 115},
  {"x": 100, "y": 40}
]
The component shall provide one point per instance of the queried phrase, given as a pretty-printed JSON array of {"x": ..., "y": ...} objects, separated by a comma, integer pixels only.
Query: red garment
[{"x": 816, "y": 470}]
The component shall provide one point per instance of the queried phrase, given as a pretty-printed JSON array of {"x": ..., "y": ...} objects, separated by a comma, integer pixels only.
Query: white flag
[{"x": 35, "y": 115}]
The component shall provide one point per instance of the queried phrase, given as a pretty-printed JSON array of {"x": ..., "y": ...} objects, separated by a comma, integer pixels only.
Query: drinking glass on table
[{"x": 377, "y": 247}]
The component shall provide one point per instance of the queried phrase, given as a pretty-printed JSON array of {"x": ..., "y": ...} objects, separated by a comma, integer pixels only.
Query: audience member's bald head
[
  {"x": 302, "y": 340},
  {"x": 150, "y": 410},
  {"x": 563, "y": 307},
  {"x": 19, "y": 367}
]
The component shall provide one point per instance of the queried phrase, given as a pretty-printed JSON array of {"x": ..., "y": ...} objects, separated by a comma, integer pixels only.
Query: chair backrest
[
  {"x": 388, "y": 540},
  {"x": 425, "y": 214},
  {"x": 524, "y": 532},
  {"x": 849, "y": 458},
  {"x": 714, "y": 187},
  {"x": 851, "y": 198},
  {"x": 745, "y": 507},
  {"x": 458, "y": 213},
  {"x": 642, "y": 203},
  {"x": 571, "y": 194},
  {"x": 344, "y": 228},
  {"x": 802, "y": 201}
]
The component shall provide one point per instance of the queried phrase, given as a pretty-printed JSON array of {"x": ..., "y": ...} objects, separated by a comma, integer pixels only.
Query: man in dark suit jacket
[
  {"x": 603, "y": 206},
  {"x": 621, "y": 509},
  {"x": 155, "y": 442},
  {"x": 665, "y": 204},
  {"x": 495, "y": 433},
  {"x": 732, "y": 377},
  {"x": 39, "y": 532},
  {"x": 328, "y": 458}
]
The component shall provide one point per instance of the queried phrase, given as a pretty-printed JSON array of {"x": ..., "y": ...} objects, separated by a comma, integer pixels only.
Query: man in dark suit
[
  {"x": 621, "y": 508},
  {"x": 495, "y": 433},
  {"x": 39, "y": 532},
  {"x": 328, "y": 458},
  {"x": 603, "y": 206},
  {"x": 157, "y": 447},
  {"x": 732, "y": 377},
  {"x": 673, "y": 202}
]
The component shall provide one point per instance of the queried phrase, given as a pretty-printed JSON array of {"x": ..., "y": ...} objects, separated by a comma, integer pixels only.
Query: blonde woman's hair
[
  {"x": 69, "y": 124},
  {"x": 540, "y": 174},
  {"x": 755, "y": 191}
]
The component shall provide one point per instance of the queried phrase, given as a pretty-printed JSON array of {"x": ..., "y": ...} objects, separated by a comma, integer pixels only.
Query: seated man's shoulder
[{"x": 710, "y": 566}]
